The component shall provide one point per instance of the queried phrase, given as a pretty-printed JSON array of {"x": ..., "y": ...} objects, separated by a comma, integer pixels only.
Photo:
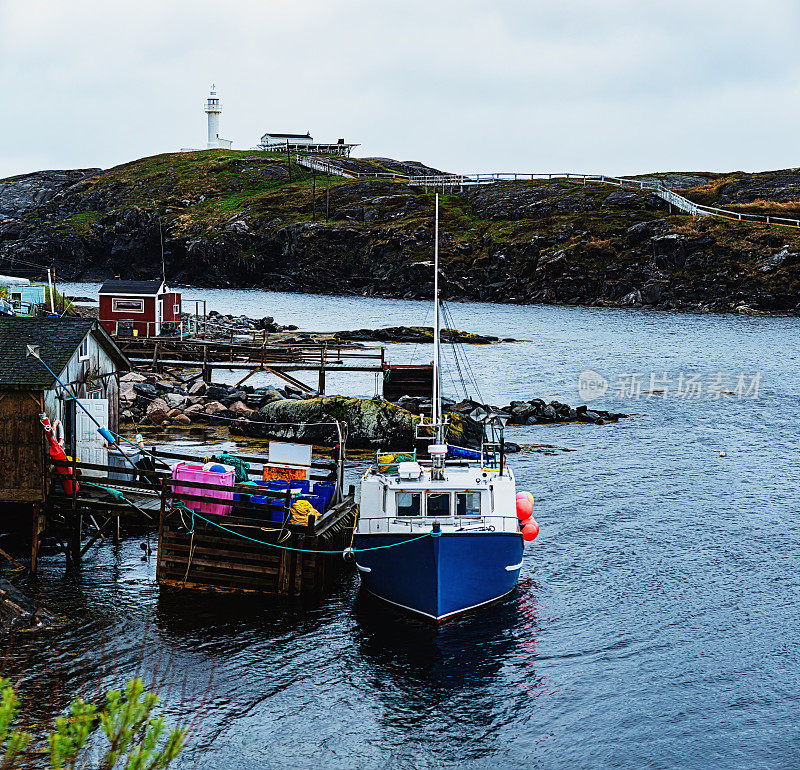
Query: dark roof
[
  {"x": 131, "y": 287},
  {"x": 57, "y": 338},
  {"x": 289, "y": 136}
]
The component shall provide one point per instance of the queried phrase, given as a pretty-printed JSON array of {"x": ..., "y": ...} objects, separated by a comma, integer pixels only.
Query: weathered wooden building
[{"x": 88, "y": 361}]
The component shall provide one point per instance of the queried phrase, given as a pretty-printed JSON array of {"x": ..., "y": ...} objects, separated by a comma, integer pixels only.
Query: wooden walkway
[
  {"x": 274, "y": 358},
  {"x": 95, "y": 509}
]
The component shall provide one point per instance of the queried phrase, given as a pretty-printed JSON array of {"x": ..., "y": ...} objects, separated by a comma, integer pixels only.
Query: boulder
[
  {"x": 634, "y": 298},
  {"x": 145, "y": 389},
  {"x": 216, "y": 392},
  {"x": 175, "y": 400},
  {"x": 191, "y": 411},
  {"x": 213, "y": 407},
  {"x": 157, "y": 411},
  {"x": 132, "y": 377},
  {"x": 239, "y": 407},
  {"x": 198, "y": 389},
  {"x": 181, "y": 419}
]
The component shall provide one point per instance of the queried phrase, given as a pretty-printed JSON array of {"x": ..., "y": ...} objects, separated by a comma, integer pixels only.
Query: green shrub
[{"x": 123, "y": 732}]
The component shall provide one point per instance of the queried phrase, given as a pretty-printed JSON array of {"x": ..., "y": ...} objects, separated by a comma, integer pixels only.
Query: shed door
[
  {"x": 89, "y": 444},
  {"x": 21, "y": 447}
]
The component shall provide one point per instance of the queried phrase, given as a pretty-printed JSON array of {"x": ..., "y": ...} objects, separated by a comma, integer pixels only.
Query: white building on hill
[
  {"x": 303, "y": 143},
  {"x": 214, "y": 109}
]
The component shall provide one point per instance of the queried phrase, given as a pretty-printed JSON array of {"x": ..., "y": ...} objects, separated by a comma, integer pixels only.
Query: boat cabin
[
  {"x": 397, "y": 497},
  {"x": 88, "y": 361},
  {"x": 139, "y": 308}
]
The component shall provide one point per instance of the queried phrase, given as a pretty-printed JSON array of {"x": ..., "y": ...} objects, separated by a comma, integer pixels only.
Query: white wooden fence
[{"x": 450, "y": 182}]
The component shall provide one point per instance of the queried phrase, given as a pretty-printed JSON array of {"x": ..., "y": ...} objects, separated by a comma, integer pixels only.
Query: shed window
[
  {"x": 409, "y": 503},
  {"x": 83, "y": 350},
  {"x": 127, "y": 305},
  {"x": 176, "y": 309},
  {"x": 468, "y": 503},
  {"x": 438, "y": 504}
]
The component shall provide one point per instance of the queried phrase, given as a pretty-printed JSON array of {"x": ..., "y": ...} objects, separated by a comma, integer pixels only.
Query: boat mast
[{"x": 436, "y": 405}]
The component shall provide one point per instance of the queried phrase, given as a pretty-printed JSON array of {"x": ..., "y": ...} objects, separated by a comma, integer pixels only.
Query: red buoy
[
  {"x": 530, "y": 530},
  {"x": 524, "y": 509}
]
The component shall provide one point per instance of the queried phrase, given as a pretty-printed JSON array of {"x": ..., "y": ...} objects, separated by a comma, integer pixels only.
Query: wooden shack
[
  {"x": 88, "y": 361},
  {"x": 139, "y": 308}
]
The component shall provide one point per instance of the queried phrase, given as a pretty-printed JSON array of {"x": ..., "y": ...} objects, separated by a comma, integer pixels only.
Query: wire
[
  {"x": 13, "y": 260},
  {"x": 458, "y": 349}
]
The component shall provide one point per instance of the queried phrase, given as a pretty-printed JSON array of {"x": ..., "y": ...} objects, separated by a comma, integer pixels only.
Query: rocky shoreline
[
  {"x": 285, "y": 413},
  {"x": 227, "y": 327},
  {"x": 233, "y": 219}
]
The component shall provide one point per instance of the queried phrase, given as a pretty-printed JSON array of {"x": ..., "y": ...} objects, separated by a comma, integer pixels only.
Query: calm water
[{"x": 658, "y": 619}]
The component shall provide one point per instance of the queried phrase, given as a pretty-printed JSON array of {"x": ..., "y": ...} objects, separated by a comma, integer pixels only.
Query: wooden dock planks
[{"x": 217, "y": 560}]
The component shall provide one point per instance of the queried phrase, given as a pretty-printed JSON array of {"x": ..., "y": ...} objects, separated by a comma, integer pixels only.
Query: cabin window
[
  {"x": 468, "y": 503},
  {"x": 127, "y": 305},
  {"x": 409, "y": 503},
  {"x": 438, "y": 504},
  {"x": 16, "y": 298},
  {"x": 383, "y": 500},
  {"x": 83, "y": 350},
  {"x": 176, "y": 309}
]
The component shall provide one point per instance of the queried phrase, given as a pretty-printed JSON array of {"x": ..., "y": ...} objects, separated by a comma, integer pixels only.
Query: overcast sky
[{"x": 615, "y": 86}]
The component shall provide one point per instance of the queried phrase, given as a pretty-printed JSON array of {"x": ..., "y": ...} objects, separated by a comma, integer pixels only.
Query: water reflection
[{"x": 473, "y": 675}]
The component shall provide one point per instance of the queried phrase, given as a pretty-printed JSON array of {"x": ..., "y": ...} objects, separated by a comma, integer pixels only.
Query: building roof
[
  {"x": 131, "y": 287},
  {"x": 307, "y": 135},
  {"x": 57, "y": 338}
]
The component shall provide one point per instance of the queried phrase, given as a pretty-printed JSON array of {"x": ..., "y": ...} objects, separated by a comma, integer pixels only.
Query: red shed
[{"x": 139, "y": 308}]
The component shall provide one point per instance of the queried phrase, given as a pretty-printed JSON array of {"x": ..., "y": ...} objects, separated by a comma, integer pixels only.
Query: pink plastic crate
[{"x": 187, "y": 472}]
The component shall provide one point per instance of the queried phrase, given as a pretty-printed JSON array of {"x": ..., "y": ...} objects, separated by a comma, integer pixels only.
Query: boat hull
[{"x": 439, "y": 577}]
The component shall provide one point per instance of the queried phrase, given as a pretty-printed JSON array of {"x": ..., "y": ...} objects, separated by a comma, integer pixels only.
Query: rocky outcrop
[
  {"x": 369, "y": 422},
  {"x": 416, "y": 334},
  {"x": 26, "y": 191}
]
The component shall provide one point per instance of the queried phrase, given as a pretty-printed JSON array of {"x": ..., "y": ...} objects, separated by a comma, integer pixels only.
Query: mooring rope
[{"x": 181, "y": 506}]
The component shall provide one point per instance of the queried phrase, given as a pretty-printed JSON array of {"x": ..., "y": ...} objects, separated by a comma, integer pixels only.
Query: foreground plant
[{"x": 124, "y": 732}]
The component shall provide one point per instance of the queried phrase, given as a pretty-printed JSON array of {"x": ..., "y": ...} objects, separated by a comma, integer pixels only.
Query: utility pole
[
  {"x": 51, "y": 287},
  {"x": 327, "y": 192},
  {"x": 314, "y": 193},
  {"x": 289, "y": 160}
]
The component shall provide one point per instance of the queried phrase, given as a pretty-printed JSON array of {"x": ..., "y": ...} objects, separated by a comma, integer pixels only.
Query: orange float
[{"x": 530, "y": 531}]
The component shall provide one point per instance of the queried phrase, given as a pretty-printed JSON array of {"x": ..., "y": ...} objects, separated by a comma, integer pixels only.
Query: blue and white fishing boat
[{"x": 440, "y": 536}]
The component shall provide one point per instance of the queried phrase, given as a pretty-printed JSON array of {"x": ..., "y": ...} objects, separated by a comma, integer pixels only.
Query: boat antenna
[{"x": 436, "y": 405}]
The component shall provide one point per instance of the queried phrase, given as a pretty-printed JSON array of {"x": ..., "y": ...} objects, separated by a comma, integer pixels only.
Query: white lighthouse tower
[{"x": 213, "y": 109}]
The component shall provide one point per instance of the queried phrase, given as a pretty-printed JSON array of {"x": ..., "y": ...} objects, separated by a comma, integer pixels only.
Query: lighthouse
[{"x": 213, "y": 110}]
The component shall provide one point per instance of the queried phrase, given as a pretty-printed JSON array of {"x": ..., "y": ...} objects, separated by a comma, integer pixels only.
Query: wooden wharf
[
  {"x": 243, "y": 551},
  {"x": 257, "y": 356}
]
